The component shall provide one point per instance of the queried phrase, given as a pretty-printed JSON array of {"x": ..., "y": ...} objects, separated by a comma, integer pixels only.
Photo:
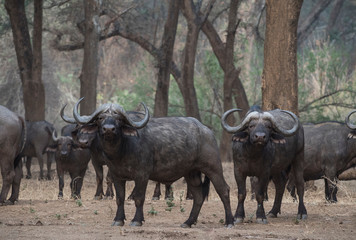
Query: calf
[
  {"x": 72, "y": 159},
  {"x": 262, "y": 147}
]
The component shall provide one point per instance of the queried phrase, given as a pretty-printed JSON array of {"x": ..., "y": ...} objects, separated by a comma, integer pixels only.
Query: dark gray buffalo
[
  {"x": 39, "y": 137},
  {"x": 329, "y": 150},
  {"x": 87, "y": 138},
  {"x": 163, "y": 150},
  {"x": 263, "y": 147},
  {"x": 12, "y": 141},
  {"x": 72, "y": 159}
]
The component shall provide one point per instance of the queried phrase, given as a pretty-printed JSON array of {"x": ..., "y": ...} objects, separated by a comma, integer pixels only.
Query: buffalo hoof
[
  {"x": 271, "y": 215},
  {"x": 48, "y": 178},
  {"x": 28, "y": 176},
  {"x": 119, "y": 223},
  {"x": 302, "y": 216},
  {"x": 60, "y": 197},
  {"x": 98, "y": 197},
  {"x": 238, "y": 220},
  {"x": 261, "y": 221},
  {"x": 155, "y": 198},
  {"x": 229, "y": 225},
  {"x": 135, "y": 224},
  {"x": 184, "y": 225}
]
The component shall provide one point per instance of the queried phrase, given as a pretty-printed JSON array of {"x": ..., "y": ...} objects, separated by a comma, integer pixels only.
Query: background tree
[
  {"x": 165, "y": 61},
  {"x": 90, "y": 66},
  {"x": 29, "y": 60},
  {"x": 280, "y": 72}
]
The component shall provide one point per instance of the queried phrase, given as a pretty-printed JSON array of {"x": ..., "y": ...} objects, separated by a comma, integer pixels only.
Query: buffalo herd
[{"x": 267, "y": 145}]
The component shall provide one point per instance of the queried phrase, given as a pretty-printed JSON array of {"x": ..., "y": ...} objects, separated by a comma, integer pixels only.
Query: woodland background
[{"x": 127, "y": 74}]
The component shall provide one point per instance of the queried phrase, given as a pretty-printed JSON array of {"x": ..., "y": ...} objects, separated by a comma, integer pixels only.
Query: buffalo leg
[
  {"x": 196, "y": 187},
  {"x": 16, "y": 184},
  {"x": 8, "y": 174},
  {"x": 261, "y": 187},
  {"x": 140, "y": 192},
  {"x": 223, "y": 190},
  {"x": 109, "y": 190},
  {"x": 299, "y": 183},
  {"x": 169, "y": 192},
  {"x": 40, "y": 162},
  {"x": 50, "y": 157},
  {"x": 279, "y": 183},
  {"x": 157, "y": 191},
  {"x": 120, "y": 187},
  {"x": 330, "y": 189},
  {"x": 241, "y": 189},
  {"x": 28, "y": 167},
  {"x": 60, "y": 181},
  {"x": 99, "y": 179}
]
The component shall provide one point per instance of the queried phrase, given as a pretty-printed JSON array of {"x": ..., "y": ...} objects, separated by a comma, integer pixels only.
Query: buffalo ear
[
  {"x": 240, "y": 137},
  {"x": 129, "y": 131},
  {"x": 51, "y": 148},
  {"x": 352, "y": 134},
  {"x": 277, "y": 138}
]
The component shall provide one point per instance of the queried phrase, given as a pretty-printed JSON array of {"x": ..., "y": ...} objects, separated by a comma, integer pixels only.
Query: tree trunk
[
  {"x": 165, "y": 62},
  {"x": 280, "y": 76},
  {"x": 188, "y": 64},
  {"x": 90, "y": 66},
  {"x": 30, "y": 65}
]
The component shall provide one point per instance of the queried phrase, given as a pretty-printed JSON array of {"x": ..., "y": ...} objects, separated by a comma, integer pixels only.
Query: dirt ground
[{"x": 39, "y": 215}]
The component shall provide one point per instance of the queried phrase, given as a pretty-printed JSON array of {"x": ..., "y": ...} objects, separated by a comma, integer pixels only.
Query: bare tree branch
[{"x": 308, "y": 105}]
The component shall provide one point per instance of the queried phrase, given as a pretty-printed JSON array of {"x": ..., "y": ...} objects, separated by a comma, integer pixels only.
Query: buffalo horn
[
  {"x": 88, "y": 119},
  {"x": 66, "y": 118},
  {"x": 347, "y": 121},
  {"x": 54, "y": 137},
  {"x": 230, "y": 129},
  {"x": 137, "y": 125},
  {"x": 284, "y": 132}
]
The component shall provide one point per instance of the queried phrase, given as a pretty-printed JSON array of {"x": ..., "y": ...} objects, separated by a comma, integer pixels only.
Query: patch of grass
[
  {"x": 181, "y": 201},
  {"x": 221, "y": 221},
  {"x": 32, "y": 210},
  {"x": 58, "y": 216},
  {"x": 152, "y": 211},
  {"x": 79, "y": 202},
  {"x": 170, "y": 205},
  {"x": 96, "y": 212}
]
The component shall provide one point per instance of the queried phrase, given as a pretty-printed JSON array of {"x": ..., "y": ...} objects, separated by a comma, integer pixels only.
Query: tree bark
[
  {"x": 280, "y": 76},
  {"x": 90, "y": 65},
  {"x": 165, "y": 61},
  {"x": 30, "y": 65},
  {"x": 188, "y": 64}
]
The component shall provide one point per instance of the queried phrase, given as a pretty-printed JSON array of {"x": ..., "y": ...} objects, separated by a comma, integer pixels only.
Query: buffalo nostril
[{"x": 261, "y": 136}]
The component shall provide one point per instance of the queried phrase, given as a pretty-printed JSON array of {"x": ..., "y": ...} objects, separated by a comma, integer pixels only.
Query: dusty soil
[{"x": 39, "y": 215}]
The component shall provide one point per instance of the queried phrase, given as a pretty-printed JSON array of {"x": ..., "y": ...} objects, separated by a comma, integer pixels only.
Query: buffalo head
[
  {"x": 63, "y": 146},
  {"x": 259, "y": 127},
  {"x": 110, "y": 121}
]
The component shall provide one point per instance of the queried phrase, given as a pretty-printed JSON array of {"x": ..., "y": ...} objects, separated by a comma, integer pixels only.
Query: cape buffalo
[
  {"x": 12, "y": 142},
  {"x": 163, "y": 150},
  {"x": 263, "y": 147},
  {"x": 328, "y": 152},
  {"x": 39, "y": 137},
  {"x": 72, "y": 159},
  {"x": 87, "y": 138}
]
